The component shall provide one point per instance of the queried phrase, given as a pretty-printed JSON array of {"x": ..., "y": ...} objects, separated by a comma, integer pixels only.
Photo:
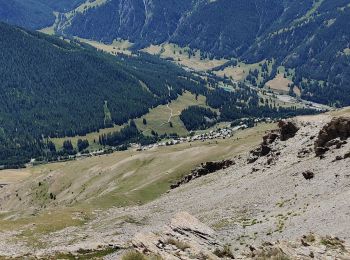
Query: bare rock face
[
  {"x": 287, "y": 130},
  {"x": 264, "y": 148},
  {"x": 204, "y": 169},
  {"x": 184, "y": 238},
  {"x": 270, "y": 138},
  {"x": 332, "y": 134}
]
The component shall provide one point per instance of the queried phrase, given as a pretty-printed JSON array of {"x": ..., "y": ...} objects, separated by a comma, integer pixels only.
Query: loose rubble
[
  {"x": 308, "y": 247},
  {"x": 286, "y": 131}
]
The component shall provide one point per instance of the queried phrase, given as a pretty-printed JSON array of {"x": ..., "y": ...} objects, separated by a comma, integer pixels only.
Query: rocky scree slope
[{"x": 285, "y": 194}]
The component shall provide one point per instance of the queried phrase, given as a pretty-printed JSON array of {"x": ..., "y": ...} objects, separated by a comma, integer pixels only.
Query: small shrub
[
  {"x": 179, "y": 244},
  {"x": 224, "y": 252},
  {"x": 332, "y": 242},
  {"x": 134, "y": 255},
  {"x": 271, "y": 253}
]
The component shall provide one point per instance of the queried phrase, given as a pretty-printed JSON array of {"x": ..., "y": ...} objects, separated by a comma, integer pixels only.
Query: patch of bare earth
[{"x": 281, "y": 85}]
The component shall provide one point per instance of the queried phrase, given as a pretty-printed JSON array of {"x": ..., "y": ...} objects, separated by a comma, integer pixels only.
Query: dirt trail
[{"x": 171, "y": 113}]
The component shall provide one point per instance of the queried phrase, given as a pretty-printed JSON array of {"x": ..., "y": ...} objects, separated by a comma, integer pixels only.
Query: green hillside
[{"x": 50, "y": 87}]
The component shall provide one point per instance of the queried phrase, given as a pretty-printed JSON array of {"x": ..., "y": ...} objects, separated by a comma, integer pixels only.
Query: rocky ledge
[
  {"x": 333, "y": 134},
  {"x": 185, "y": 237},
  {"x": 204, "y": 169}
]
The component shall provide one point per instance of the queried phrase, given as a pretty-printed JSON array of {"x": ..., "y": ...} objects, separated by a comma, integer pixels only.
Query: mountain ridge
[{"x": 308, "y": 37}]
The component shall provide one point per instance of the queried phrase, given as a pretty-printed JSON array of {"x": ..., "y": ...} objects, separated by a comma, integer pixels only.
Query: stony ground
[{"x": 246, "y": 204}]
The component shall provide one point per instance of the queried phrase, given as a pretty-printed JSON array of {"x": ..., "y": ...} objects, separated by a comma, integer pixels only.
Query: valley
[
  {"x": 277, "y": 34},
  {"x": 186, "y": 57},
  {"x": 174, "y": 129},
  {"x": 112, "y": 100}
]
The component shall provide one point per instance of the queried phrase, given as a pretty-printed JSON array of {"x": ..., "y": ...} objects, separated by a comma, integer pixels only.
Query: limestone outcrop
[
  {"x": 185, "y": 237},
  {"x": 332, "y": 134},
  {"x": 204, "y": 169}
]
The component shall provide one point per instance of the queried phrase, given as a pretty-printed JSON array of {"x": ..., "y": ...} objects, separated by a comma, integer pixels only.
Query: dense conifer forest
[
  {"x": 310, "y": 36},
  {"x": 128, "y": 134},
  {"x": 62, "y": 88},
  {"x": 195, "y": 118},
  {"x": 34, "y": 14},
  {"x": 52, "y": 88},
  {"x": 245, "y": 104}
]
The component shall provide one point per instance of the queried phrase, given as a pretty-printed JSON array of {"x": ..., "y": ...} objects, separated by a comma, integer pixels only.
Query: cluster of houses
[{"x": 221, "y": 133}]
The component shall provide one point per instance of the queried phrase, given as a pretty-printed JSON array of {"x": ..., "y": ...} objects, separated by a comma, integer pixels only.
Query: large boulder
[
  {"x": 270, "y": 138},
  {"x": 332, "y": 134},
  {"x": 287, "y": 130},
  {"x": 308, "y": 175}
]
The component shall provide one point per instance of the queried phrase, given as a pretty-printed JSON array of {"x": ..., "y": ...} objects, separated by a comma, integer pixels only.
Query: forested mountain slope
[
  {"x": 311, "y": 36},
  {"x": 223, "y": 27},
  {"x": 50, "y": 87},
  {"x": 34, "y": 14},
  {"x": 139, "y": 21},
  {"x": 63, "y": 88},
  {"x": 317, "y": 45},
  {"x": 226, "y": 28},
  {"x": 30, "y": 14}
]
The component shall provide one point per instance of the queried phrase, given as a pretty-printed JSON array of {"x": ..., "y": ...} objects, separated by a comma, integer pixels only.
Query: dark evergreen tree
[
  {"x": 67, "y": 146},
  {"x": 82, "y": 144}
]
